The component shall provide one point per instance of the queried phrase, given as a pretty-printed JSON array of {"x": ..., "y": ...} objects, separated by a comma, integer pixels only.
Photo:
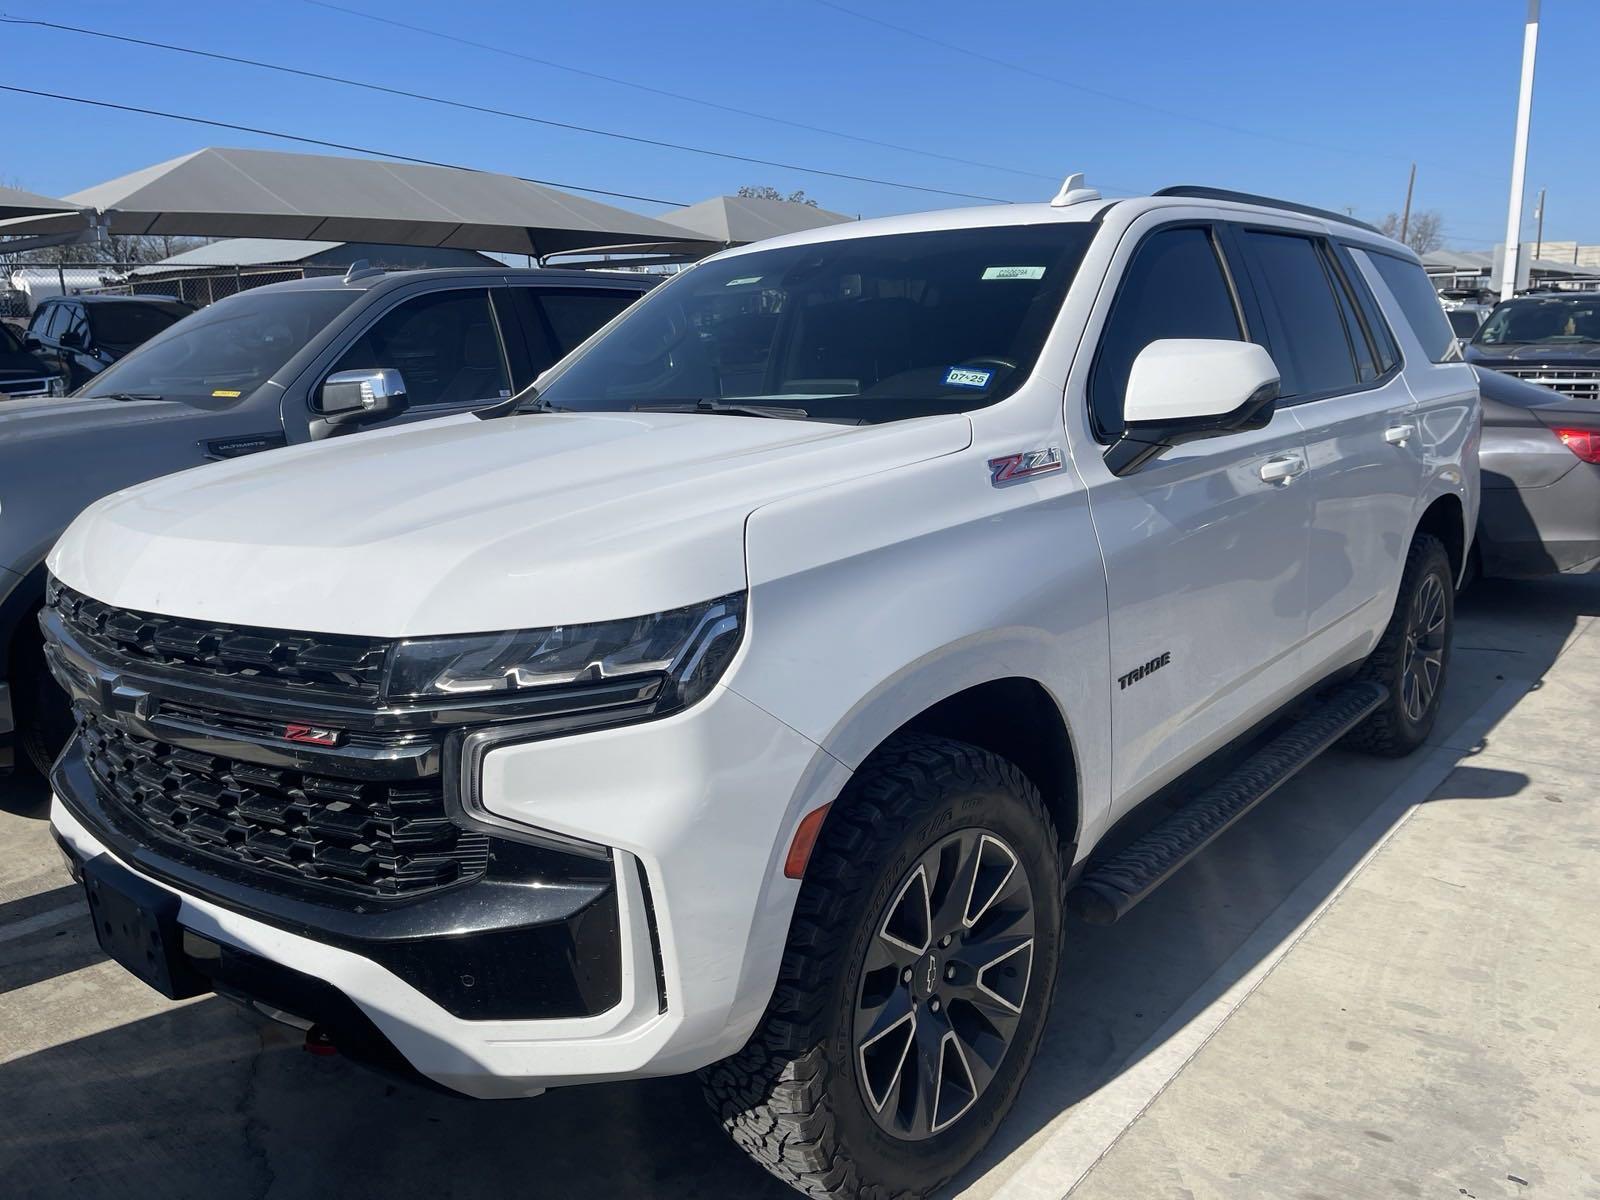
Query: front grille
[
  {"x": 379, "y": 839},
  {"x": 325, "y": 663},
  {"x": 1581, "y": 383},
  {"x": 20, "y": 388}
]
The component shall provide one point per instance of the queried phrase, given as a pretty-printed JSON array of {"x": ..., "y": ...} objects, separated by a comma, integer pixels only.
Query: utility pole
[
  {"x": 1538, "y": 237},
  {"x": 1519, "y": 154},
  {"x": 1405, "y": 217}
]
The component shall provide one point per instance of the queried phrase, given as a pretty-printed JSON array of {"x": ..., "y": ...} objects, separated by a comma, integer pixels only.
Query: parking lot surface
[{"x": 1381, "y": 983}]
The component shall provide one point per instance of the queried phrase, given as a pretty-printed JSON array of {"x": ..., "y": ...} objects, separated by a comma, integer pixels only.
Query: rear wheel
[
  {"x": 1413, "y": 656},
  {"x": 915, "y": 984}
]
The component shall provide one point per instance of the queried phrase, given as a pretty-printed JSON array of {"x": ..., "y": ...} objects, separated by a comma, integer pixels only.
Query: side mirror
[
  {"x": 350, "y": 396},
  {"x": 29, "y": 342},
  {"x": 1181, "y": 389},
  {"x": 71, "y": 339}
]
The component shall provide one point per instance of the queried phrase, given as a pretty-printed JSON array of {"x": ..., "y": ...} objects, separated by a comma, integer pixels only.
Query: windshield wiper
[
  {"x": 780, "y": 411},
  {"x": 128, "y": 396}
]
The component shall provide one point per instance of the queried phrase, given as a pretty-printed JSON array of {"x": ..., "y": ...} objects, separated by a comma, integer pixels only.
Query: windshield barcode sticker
[
  {"x": 967, "y": 377},
  {"x": 742, "y": 280},
  {"x": 1013, "y": 272}
]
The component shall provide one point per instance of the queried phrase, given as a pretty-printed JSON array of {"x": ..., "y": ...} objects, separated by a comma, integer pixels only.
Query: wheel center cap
[{"x": 925, "y": 976}]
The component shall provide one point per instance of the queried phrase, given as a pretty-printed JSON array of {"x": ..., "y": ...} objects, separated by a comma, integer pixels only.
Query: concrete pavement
[{"x": 1381, "y": 983}]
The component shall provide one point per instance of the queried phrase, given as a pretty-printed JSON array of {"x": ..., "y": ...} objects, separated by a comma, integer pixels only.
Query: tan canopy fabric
[
  {"x": 14, "y": 202},
  {"x": 270, "y": 193},
  {"x": 737, "y": 220}
]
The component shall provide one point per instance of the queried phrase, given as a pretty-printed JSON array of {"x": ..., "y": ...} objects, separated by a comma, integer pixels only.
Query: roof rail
[{"x": 1211, "y": 193}]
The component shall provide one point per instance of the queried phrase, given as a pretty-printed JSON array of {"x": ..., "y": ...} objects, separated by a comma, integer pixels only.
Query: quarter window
[
  {"x": 1310, "y": 342},
  {"x": 445, "y": 345},
  {"x": 1419, "y": 302},
  {"x": 1174, "y": 287}
]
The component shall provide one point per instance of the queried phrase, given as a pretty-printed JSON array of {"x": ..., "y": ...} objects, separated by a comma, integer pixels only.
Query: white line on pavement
[
  {"x": 1098, "y": 1121},
  {"x": 44, "y": 920}
]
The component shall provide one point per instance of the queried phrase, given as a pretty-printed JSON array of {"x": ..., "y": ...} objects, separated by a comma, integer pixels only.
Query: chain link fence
[{"x": 203, "y": 287}]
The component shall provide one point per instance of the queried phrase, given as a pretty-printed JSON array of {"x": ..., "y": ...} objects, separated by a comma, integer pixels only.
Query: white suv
[{"x": 759, "y": 696}]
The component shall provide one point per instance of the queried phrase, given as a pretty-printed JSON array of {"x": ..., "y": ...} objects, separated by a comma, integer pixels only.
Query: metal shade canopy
[
  {"x": 14, "y": 202},
  {"x": 270, "y": 193},
  {"x": 738, "y": 220}
]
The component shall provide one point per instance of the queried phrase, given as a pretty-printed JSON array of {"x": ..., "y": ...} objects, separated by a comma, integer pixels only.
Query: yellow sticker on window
[{"x": 227, "y": 394}]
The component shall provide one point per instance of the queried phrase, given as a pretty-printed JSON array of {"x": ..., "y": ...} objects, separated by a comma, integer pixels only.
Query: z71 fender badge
[{"x": 1013, "y": 467}]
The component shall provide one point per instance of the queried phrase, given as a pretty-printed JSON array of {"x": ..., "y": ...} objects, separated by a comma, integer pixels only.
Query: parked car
[
  {"x": 750, "y": 698},
  {"x": 1550, "y": 338},
  {"x": 1465, "y": 320},
  {"x": 289, "y": 363},
  {"x": 80, "y": 336},
  {"x": 1541, "y": 480},
  {"x": 22, "y": 374}
]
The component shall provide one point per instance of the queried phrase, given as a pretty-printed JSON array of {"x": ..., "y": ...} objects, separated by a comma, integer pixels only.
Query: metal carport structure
[{"x": 219, "y": 192}]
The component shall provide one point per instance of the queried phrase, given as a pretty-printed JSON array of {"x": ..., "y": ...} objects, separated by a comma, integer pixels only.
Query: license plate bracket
[{"x": 136, "y": 923}]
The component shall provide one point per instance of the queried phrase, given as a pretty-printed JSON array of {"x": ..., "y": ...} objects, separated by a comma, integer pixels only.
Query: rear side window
[
  {"x": 1419, "y": 302},
  {"x": 575, "y": 315},
  {"x": 1310, "y": 341},
  {"x": 1174, "y": 287}
]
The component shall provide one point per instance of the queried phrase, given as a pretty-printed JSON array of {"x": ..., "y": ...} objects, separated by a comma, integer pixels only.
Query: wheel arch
[{"x": 1446, "y": 519}]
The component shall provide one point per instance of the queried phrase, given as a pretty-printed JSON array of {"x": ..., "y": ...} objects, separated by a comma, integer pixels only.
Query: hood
[
  {"x": 29, "y": 421},
  {"x": 1576, "y": 354},
  {"x": 461, "y": 525},
  {"x": 20, "y": 364}
]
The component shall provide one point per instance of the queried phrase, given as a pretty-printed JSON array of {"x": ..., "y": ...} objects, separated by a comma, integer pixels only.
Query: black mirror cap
[{"x": 1143, "y": 441}]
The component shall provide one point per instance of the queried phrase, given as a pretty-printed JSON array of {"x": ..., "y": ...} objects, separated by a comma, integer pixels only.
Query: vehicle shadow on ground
[
  {"x": 203, "y": 1101},
  {"x": 25, "y": 794}
]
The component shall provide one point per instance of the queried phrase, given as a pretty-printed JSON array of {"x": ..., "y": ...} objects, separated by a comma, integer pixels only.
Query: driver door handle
[
  {"x": 1283, "y": 468},
  {"x": 1399, "y": 435}
]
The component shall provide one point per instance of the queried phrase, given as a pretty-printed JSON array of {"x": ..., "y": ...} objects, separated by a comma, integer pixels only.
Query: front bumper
[{"x": 696, "y": 811}]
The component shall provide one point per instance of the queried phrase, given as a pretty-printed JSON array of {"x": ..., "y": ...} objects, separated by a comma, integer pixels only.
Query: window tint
[
  {"x": 1174, "y": 288},
  {"x": 858, "y": 329},
  {"x": 121, "y": 327},
  {"x": 1377, "y": 325},
  {"x": 75, "y": 322},
  {"x": 47, "y": 321},
  {"x": 575, "y": 315},
  {"x": 1309, "y": 341},
  {"x": 1419, "y": 302},
  {"x": 445, "y": 346},
  {"x": 1463, "y": 321},
  {"x": 1367, "y": 368},
  {"x": 227, "y": 349}
]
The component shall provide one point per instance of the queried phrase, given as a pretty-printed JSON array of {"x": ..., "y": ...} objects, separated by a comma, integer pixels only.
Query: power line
[
  {"x": 311, "y": 141},
  {"x": 656, "y": 91},
  {"x": 1174, "y": 114},
  {"x": 498, "y": 112}
]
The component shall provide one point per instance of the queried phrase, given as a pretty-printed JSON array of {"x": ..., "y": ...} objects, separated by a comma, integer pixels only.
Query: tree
[
  {"x": 1424, "y": 232},
  {"x": 798, "y": 196}
]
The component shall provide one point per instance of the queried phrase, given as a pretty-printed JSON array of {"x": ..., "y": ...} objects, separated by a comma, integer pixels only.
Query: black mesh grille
[
  {"x": 376, "y": 839},
  {"x": 348, "y": 666}
]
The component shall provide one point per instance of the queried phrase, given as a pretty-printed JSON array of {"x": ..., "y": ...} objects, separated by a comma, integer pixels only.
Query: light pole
[{"x": 1519, "y": 155}]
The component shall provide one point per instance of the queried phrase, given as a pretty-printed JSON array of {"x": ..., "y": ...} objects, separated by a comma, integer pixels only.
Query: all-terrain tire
[
  {"x": 1391, "y": 731},
  {"x": 791, "y": 1098}
]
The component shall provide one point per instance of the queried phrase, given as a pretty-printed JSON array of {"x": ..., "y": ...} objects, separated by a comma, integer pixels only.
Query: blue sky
[{"x": 1327, "y": 103}]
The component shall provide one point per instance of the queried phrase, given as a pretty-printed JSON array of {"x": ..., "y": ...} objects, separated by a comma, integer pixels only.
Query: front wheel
[
  {"x": 1413, "y": 656},
  {"x": 916, "y": 980}
]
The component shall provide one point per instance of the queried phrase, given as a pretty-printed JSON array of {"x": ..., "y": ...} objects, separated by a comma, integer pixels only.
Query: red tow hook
[{"x": 320, "y": 1042}]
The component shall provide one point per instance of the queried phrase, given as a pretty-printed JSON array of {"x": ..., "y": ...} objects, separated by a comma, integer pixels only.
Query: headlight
[{"x": 686, "y": 648}]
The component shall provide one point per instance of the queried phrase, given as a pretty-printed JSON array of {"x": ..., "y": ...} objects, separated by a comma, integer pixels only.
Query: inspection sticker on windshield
[
  {"x": 743, "y": 279},
  {"x": 967, "y": 377},
  {"x": 1013, "y": 272},
  {"x": 226, "y": 394}
]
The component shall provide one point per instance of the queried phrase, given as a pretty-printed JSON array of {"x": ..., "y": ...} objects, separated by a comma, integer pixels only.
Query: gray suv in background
[{"x": 293, "y": 362}]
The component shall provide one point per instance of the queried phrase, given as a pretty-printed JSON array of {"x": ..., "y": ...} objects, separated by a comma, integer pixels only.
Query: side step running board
[{"x": 1108, "y": 889}]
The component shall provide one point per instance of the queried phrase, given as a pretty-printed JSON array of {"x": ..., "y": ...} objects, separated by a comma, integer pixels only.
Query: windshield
[
  {"x": 122, "y": 326},
  {"x": 1557, "y": 321},
  {"x": 223, "y": 352},
  {"x": 855, "y": 330}
]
